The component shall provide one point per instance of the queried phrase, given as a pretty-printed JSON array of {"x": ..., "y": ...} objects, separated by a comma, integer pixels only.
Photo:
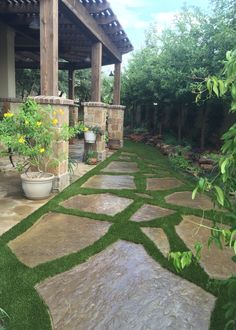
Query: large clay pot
[
  {"x": 90, "y": 137},
  {"x": 37, "y": 185}
]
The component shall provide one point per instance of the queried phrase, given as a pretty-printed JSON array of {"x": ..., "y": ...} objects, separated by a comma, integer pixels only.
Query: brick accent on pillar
[
  {"x": 95, "y": 115},
  {"x": 115, "y": 126},
  {"x": 61, "y": 148}
]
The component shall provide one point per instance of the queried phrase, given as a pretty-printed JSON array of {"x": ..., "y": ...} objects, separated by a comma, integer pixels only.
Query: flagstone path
[{"x": 122, "y": 286}]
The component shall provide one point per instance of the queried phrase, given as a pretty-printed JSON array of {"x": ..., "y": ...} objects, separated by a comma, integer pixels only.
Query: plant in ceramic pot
[
  {"x": 91, "y": 157},
  {"x": 30, "y": 135},
  {"x": 91, "y": 132}
]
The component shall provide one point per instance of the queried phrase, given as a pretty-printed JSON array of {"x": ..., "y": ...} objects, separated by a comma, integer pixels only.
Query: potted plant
[
  {"x": 30, "y": 135},
  {"x": 91, "y": 132},
  {"x": 91, "y": 157}
]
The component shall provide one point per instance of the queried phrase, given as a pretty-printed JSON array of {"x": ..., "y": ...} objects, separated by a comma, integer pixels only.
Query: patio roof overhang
[{"x": 81, "y": 23}]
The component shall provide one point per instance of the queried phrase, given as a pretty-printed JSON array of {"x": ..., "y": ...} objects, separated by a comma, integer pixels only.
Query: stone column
[
  {"x": 95, "y": 115},
  {"x": 59, "y": 109},
  {"x": 115, "y": 126},
  {"x": 96, "y": 63},
  {"x": 7, "y": 62}
]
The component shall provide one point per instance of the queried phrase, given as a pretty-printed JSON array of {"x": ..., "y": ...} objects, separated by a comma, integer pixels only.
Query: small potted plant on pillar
[
  {"x": 30, "y": 134},
  {"x": 91, "y": 132}
]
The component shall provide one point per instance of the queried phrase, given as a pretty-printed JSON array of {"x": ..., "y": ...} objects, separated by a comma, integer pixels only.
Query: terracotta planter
[
  {"x": 90, "y": 137},
  {"x": 92, "y": 161},
  {"x": 37, "y": 185}
]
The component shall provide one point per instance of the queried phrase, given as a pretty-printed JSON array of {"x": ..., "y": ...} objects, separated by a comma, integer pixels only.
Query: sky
[{"x": 136, "y": 15}]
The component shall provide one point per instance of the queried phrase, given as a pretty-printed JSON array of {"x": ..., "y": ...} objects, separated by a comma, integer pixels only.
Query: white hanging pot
[
  {"x": 37, "y": 185},
  {"x": 90, "y": 137}
]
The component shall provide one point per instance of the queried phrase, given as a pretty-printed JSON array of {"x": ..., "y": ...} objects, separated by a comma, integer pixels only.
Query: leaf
[
  {"x": 223, "y": 165},
  {"x": 198, "y": 250},
  {"x": 215, "y": 89},
  {"x": 209, "y": 85},
  {"x": 194, "y": 193},
  {"x": 219, "y": 195},
  {"x": 201, "y": 184},
  {"x": 222, "y": 87},
  {"x": 232, "y": 237},
  {"x": 235, "y": 246},
  {"x": 233, "y": 91}
]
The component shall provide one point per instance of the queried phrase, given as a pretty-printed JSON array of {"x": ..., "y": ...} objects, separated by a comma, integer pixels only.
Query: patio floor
[
  {"x": 97, "y": 253},
  {"x": 13, "y": 205}
]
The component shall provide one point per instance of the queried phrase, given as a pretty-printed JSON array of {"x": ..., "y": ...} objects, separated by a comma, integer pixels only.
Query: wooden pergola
[{"x": 68, "y": 35}]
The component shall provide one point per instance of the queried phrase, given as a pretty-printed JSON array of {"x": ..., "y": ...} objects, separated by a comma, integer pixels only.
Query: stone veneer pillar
[
  {"x": 95, "y": 114},
  {"x": 115, "y": 126},
  {"x": 7, "y": 62},
  {"x": 61, "y": 148}
]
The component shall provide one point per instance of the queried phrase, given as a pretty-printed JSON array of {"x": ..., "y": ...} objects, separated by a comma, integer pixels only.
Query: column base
[
  {"x": 61, "y": 182},
  {"x": 115, "y": 144}
]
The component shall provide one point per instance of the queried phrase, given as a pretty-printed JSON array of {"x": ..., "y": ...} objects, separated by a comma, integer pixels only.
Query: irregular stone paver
[
  {"x": 122, "y": 287},
  {"x": 13, "y": 205},
  {"x": 124, "y": 153},
  {"x": 110, "y": 182},
  {"x": 144, "y": 195},
  {"x": 159, "y": 238},
  {"x": 216, "y": 262},
  {"x": 121, "y": 167},
  {"x": 184, "y": 198},
  {"x": 56, "y": 235},
  {"x": 162, "y": 183},
  {"x": 99, "y": 203},
  {"x": 149, "y": 212},
  {"x": 124, "y": 158},
  {"x": 153, "y": 166}
]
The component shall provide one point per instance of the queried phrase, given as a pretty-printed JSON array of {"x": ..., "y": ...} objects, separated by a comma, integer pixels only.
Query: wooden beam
[
  {"x": 71, "y": 84},
  {"x": 96, "y": 62},
  {"x": 80, "y": 13},
  {"x": 49, "y": 47},
  {"x": 105, "y": 19},
  {"x": 94, "y": 8},
  {"x": 18, "y": 8},
  {"x": 117, "y": 82}
]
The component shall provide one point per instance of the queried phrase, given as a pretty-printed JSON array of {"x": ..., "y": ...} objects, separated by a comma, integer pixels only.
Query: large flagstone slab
[
  {"x": 121, "y": 167},
  {"x": 98, "y": 203},
  {"x": 149, "y": 212},
  {"x": 124, "y": 157},
  {"x": 184, "y": 198},
  {"x": 122, "y": 287},
  {"x": 110, "y": 182},
  {"x": 56, "y": 235},
  {"x": 159, "y": 238},
  {"x": 162, "y": 183},
  {"x": 216, "y": 262}
]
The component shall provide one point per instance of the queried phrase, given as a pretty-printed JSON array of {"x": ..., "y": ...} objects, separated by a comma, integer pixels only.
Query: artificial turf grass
[{"x": 29, "y": 312}]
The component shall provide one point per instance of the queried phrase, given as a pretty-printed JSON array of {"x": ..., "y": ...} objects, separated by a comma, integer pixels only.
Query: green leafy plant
[
  {"x": 91, "y": 157},
  {"x": 3, "y": 319},
  {"x": 31, "y": 132},
  {"x": 95, "y": 129},
  {"x": 184, "y": 259}
]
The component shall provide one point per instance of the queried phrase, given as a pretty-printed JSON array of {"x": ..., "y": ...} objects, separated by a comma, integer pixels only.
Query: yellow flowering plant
[{"x": 30, "y": 133}]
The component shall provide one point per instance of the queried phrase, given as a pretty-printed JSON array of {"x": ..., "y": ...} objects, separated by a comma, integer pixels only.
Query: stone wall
[{"x": 9, "y": 104}]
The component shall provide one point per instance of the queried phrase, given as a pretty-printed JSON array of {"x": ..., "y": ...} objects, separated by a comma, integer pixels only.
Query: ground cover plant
[{"x": 17, "y": 294}]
